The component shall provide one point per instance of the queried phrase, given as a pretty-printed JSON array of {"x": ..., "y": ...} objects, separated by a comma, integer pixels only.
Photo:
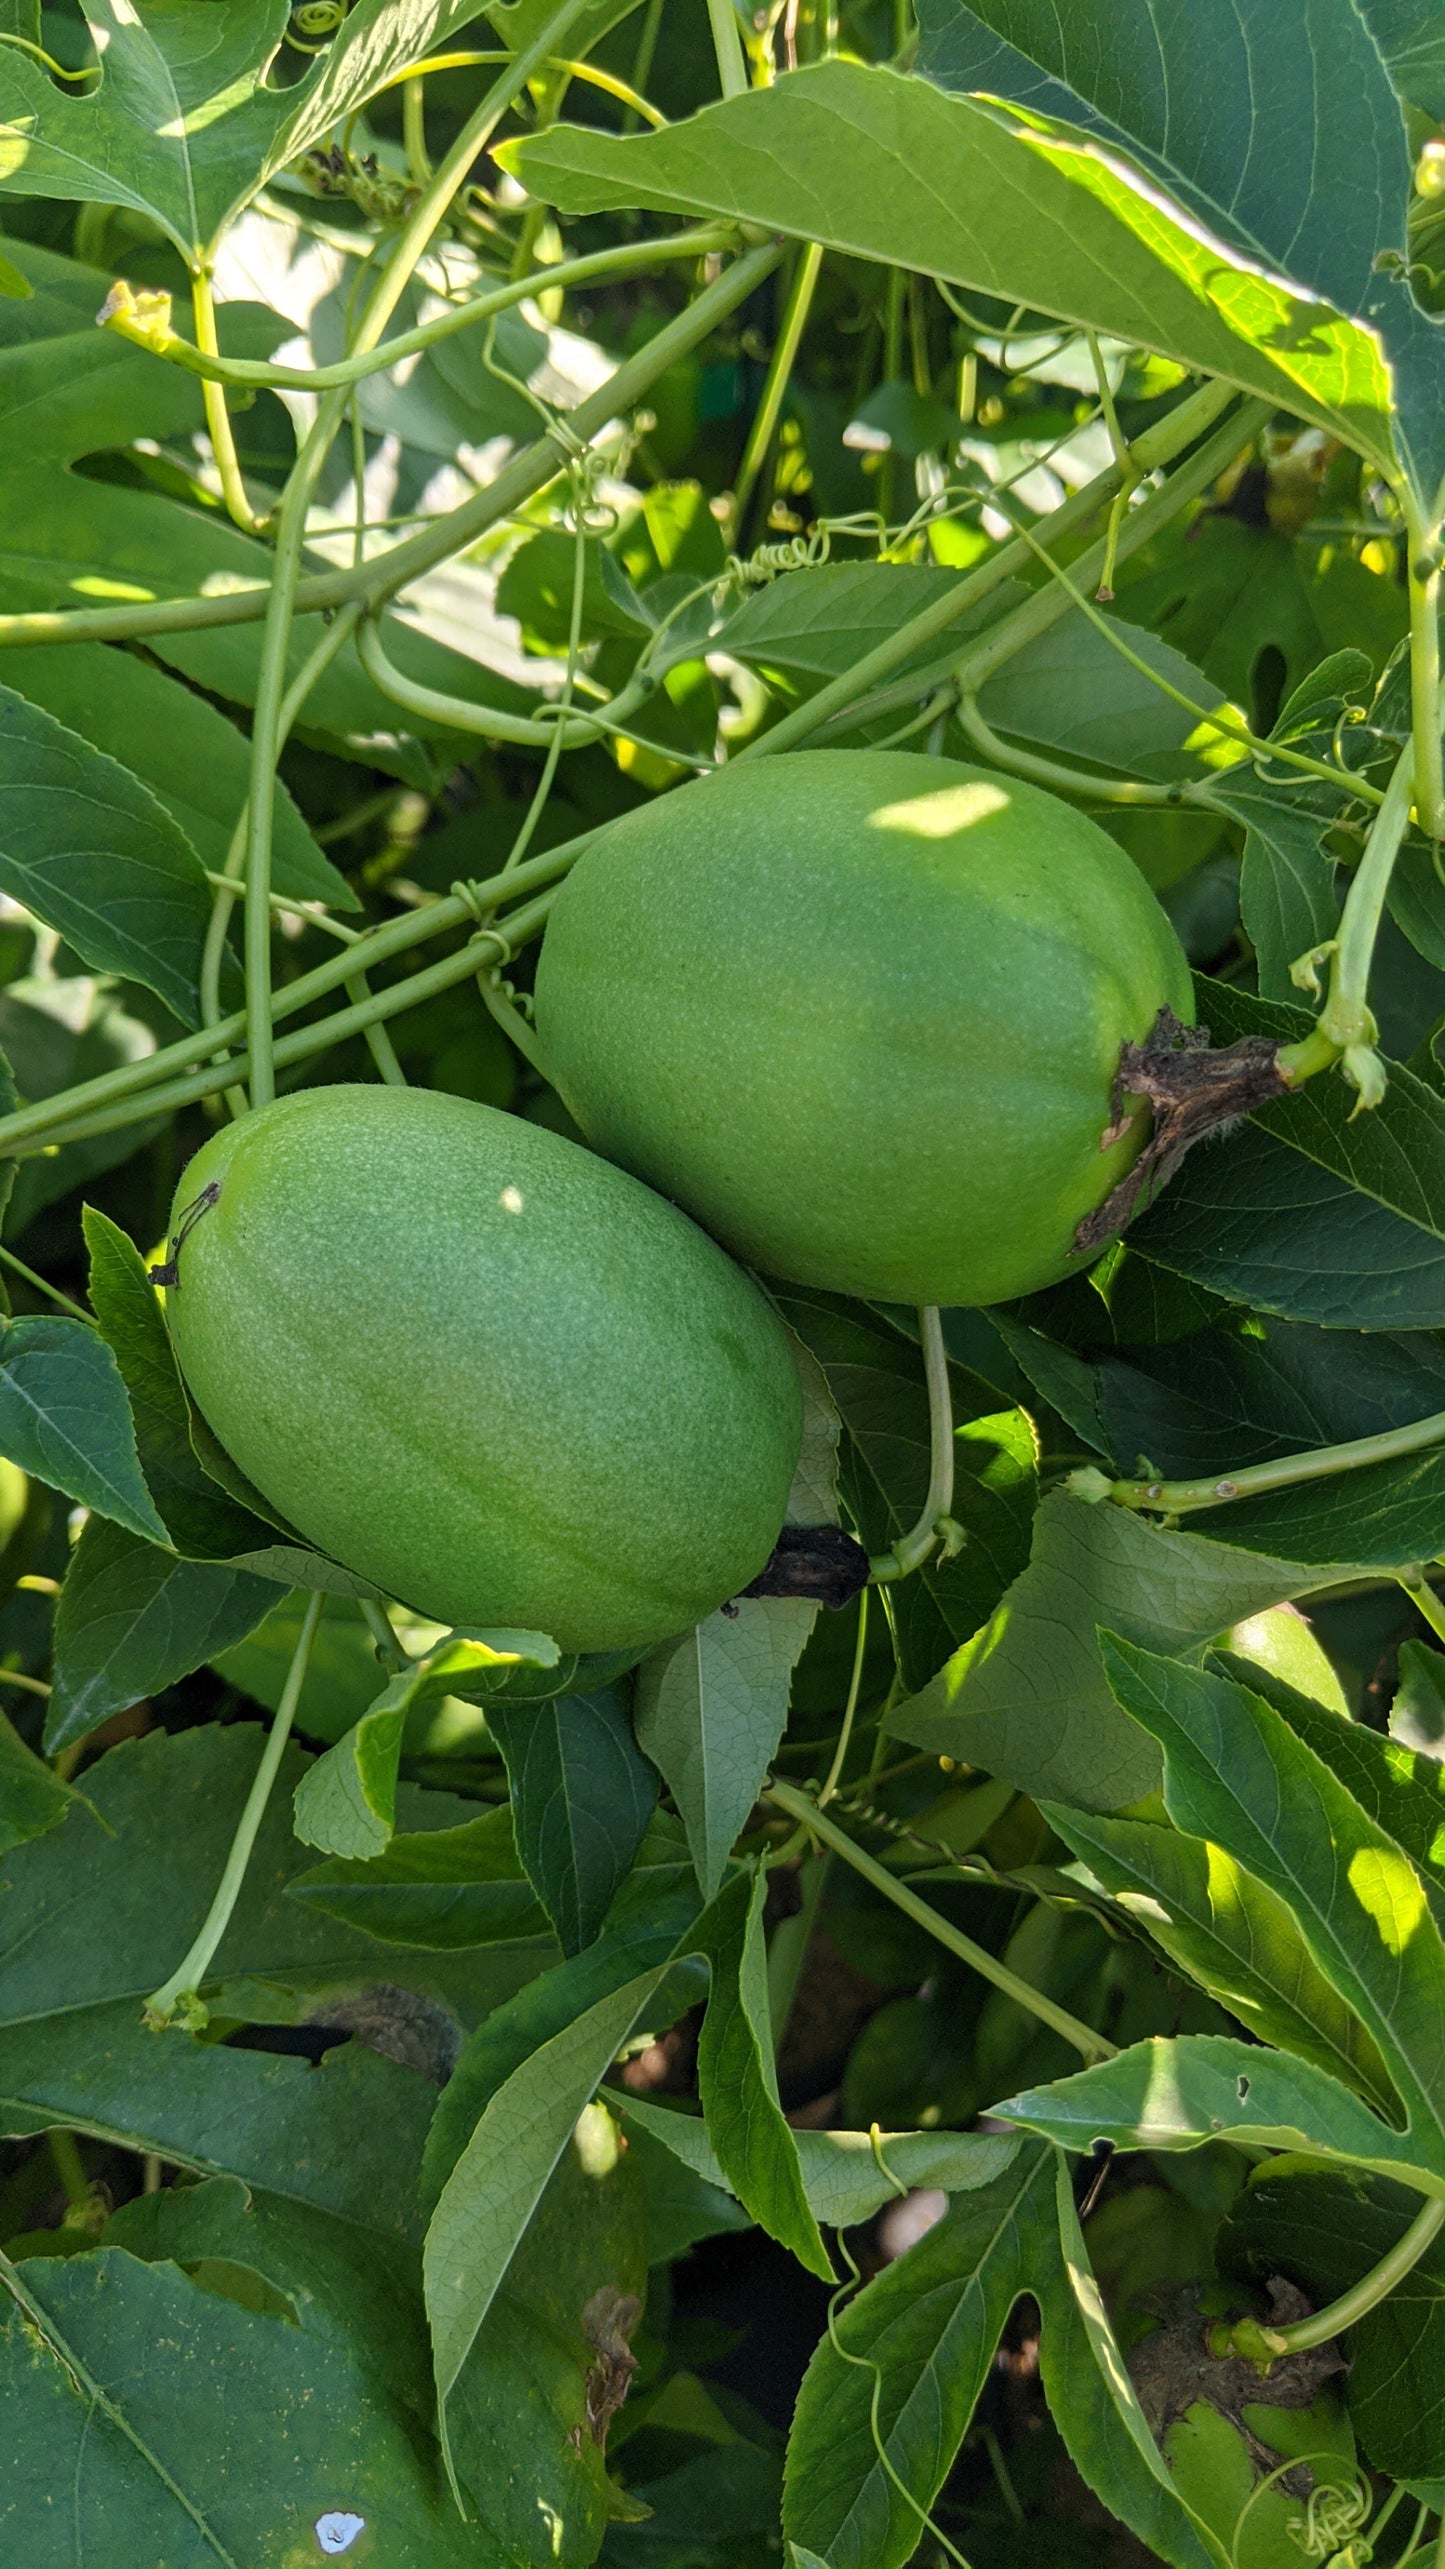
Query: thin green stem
[
  {"x": 257, "y": 374},
  {"x": 69, "y": 2168},
  {"x": 780, "y": 366},
  {"x": 1089, "y": 2045},
  {"x": 52, "y": 1292},
  {"x": 30, "y": 1128},
  {"x": 413, "y": 130},
  {"x": 1230, "y": 726},
  {"x": 318, "y": 1038},
  {"x": 489, "y": 722},
  {"x": 379, "y": 1624},
  {"x": 227, "y": 892},
  {"x": 1423, "y": 572},
  {"x": 517, "y": 483},
  {"x": 218, "y": 417},
  {"x": 1069, "y": 780},
  {"x": 1423, "y": 1598},
  {"x": 1321, "y": 1463},
  {"x": 1346, "y": 1030},
  {"x": 850, "y": 1709},
  {"x": 179, "y": 1994},
  {"x": 1170, "y": 438},
  {"x": 17, "y": 1677},
  {"x": 1261, "y": 2345},
  {"x": 914, "y": 1547},
  {"x": 788, "y": 1947},
  {"x": 732, "y": 69},
  {"x": 531, "y": 819}
]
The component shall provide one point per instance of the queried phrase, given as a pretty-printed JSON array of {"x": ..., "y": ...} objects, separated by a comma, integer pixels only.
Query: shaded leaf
[
  {"x": 65, "y": 1419},
  {"x": 737, "y": 2077},
  {"x": 582, "y": 1795},
  {"x": 495, "y": 2187},
  {"x": 1305, "y": 1212},
  {"x": 922, "y": 2336},
  {"x": 345, "y": 2137},
  {"x": 1026, "y": 1697},
  {"x": 32, "y": 1795},
  {"x": 1326, "y": 2232},
  {"x": 101, "y": 1911},
  {"x": 132, "y": 1619},
  {"x": 842, "y": 2178},
  {"x": 235, "y": 2438},
  {"x": 709, "y": 1711},
  {"x": 651, "y": 1926},
  {"x": 440, "y": 1889},
  {"x": 193, "y": 760},
  {"x": 94, "y": 853},
  {"x": 198, "y": 1517},
  {"x": 352, "y": 2288}
]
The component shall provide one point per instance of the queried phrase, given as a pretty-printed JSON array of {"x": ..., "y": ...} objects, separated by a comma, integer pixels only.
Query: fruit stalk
[
  {"x": 178, "y": 1995},
  {"x": 1346, "y": 1031},
  {"x": 1264, "y": 2346},
  {"x": 914, "y": 1547}
]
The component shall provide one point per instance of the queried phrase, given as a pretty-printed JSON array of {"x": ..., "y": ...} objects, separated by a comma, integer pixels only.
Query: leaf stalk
[
  {"x": 1091, "y": 2046},
  {"x": 178, "y": 1995},
  {"x": 1178, "y": 1498}
]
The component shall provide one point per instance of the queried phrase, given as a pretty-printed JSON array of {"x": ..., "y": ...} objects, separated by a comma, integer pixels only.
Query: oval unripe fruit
[
  {"x": 485, "y": 1370},
  {"x": 861, "y": 1012}
]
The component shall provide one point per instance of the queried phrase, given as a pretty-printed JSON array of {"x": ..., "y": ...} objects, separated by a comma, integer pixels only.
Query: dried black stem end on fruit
[
  {"x": 818, "y": 1561},
  {"x": 169, "y": 1273},
  {"x": 1192, "y": 1090}
]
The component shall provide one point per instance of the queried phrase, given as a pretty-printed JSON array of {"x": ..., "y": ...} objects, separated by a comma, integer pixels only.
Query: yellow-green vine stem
[
  {"x": 227, "y": 891},
  {"x": 1090, "y": 2045},
  {"x": 291, "y": 522},
  {"x": 307, "y": 1041},
  {"x": 179, "y": 1994},
  {"x": 780, "y": 366},
  {"x": 732, "y": 69},
  {"x": 1156, "y": 448},
  {"x": 933, "y": 1526},
  {"x": 218, "y": 417},
  {"x": 28, "y": 1128},
  {"x": 1321, "y": 1463},
  {"x": 1424, "y": 559},
  {"x": 1264, "y": 2346},
  {"x": 1071, "y": 780},
  {"x": 1423, "y": 1598},
  {"x": 148, "y": 330}
]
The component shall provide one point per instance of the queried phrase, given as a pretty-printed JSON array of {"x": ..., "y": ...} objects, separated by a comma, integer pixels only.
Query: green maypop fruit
[
  {"x": 482, "y": 1368},
  {"x": 861, "y": 1013}
]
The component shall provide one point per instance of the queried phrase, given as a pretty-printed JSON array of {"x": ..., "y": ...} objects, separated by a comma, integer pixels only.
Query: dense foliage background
[{"x": 1056, "y": 390}]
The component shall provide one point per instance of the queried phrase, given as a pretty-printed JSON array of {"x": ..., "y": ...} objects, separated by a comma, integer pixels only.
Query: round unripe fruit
[
  {"x": 482, "y": 1368},
  {"x": 861, "y": 1012}
]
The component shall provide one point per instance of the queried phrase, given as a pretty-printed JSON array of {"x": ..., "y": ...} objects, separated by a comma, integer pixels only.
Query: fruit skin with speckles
[
  {"x": 482, "y": 1368},
  {"x": 860, "y": 1012}
]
